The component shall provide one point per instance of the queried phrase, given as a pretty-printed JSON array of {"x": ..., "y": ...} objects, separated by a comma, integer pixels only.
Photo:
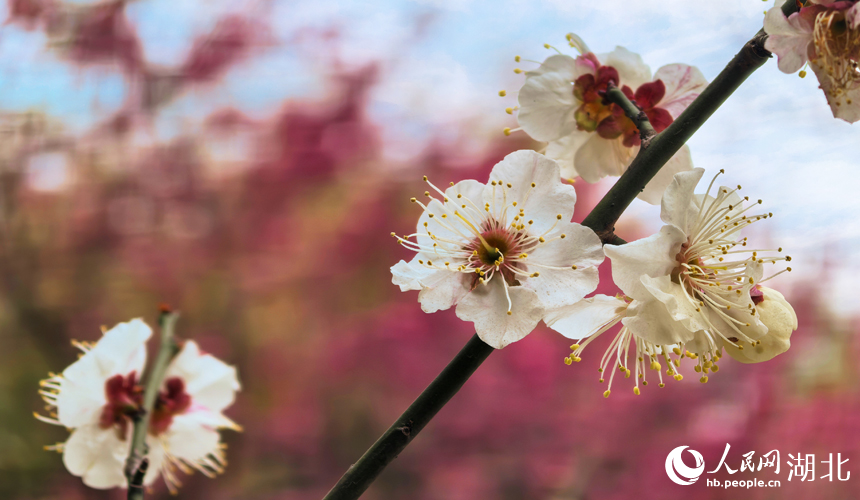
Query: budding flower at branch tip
[
  {"x": 690, "y": 290},
  {"x": 98, "y": 397},
  {"x": 563, "y": 103},
  {"x": 501, "y": 273},
  {"x": 779, "y": 317},
  {"x": 824, "y": 35}
]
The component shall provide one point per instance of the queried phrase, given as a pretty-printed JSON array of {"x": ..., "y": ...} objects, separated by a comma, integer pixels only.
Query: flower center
[
  {"x": 589, "y": 90},
  {"x": 837, "y": 51},
  {"x": 125, "y": 401},
  {"x": 171, "y": 402},
  {"x": 595, "y": 114},
  {"x": 498, "y": 243}
]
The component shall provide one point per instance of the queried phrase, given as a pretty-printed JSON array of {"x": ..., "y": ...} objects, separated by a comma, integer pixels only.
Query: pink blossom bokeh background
[{"x": 269, "y": 231}]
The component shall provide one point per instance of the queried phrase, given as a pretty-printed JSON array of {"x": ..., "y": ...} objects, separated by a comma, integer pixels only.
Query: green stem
[
  {"x": 602, "y": 220},
  {"x": 359, "y": 476},
  {"x": 136, "y": 464}
]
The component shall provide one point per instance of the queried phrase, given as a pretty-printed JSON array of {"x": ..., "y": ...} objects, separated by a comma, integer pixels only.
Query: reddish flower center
[
  {"x": 595, "y": 114},
  {"x": 172, "y": 401},
  {"x": 756, "y": 295},
  {"x": 125, "y": 401},
  {"x": 504, "y": 243}
]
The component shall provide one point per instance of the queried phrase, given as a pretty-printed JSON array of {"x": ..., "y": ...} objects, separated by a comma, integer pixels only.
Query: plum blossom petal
[
  {"x": 439, "y": 290},
  {"x": 678, "y": 207},
  {"x": 546, "y": 99},
  {"x": 677, "y": 303},
  {"x": 120, "y": 351},
  {"x": 564, "y": 286},
  {"x": 534, "y": 185},
  {"x": 443, "y": 290},
  {"x": 847, "y": 105},
  {"x": 487, "y": 307},
  {"x": 97, "y": 456},
  {"x": 632, "y": 70},
  {"x": 563, "y": 151},
  {"x": 683, "y": 84},
  {"x": 410, "y": 275},
  {"x": 789, "y": 38},
  {"x": 852, "y": 16},
  {"x": 681, "y": 161},
  {"x": 584, "y": 318},
  {"x": 192, "y": 437},
  {"x": 599, "y": 157},
  {"x": 651, "y": 256},
  {"x": 650, "y": 320},
  {"x": 210, "y": 382}
]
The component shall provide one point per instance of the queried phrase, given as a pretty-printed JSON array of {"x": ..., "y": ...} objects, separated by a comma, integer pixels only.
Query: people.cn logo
[{"x": 678, "y": 471}]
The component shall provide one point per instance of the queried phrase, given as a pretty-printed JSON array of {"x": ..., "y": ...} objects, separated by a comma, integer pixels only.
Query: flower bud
[{"x": 779, "y": 317}]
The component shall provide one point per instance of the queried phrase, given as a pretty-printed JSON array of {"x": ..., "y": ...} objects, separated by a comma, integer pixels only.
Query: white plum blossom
[
  {"x": 504, "y": 253},
  {"x": 561, "y": 102},
  {"x": 826, "y": 35},
  {"x": 689, "y": 290},
  {"x": 97, "y": 396}
]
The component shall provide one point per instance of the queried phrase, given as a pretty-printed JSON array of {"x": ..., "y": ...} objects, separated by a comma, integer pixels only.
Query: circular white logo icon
[{"x": 678, "y": 471}]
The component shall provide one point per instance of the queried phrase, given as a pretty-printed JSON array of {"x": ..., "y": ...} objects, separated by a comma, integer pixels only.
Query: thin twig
[
  {"x": 632, "y": 110},
  {"x": 136, "y": 464},
  {"x": 601, "y": 220}
]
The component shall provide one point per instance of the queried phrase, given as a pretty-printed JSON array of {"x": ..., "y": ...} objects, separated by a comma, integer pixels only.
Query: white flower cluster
[
  {"x": 507, "y": 256},
  {"x": 98, "y": 396}
]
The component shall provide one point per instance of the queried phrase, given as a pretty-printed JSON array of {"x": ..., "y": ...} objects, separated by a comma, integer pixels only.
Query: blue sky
[{"x": 443, "y": 62}]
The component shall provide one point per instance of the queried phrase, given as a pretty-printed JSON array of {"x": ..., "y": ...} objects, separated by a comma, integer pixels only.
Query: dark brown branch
[{"x": 403, "y": 431}]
